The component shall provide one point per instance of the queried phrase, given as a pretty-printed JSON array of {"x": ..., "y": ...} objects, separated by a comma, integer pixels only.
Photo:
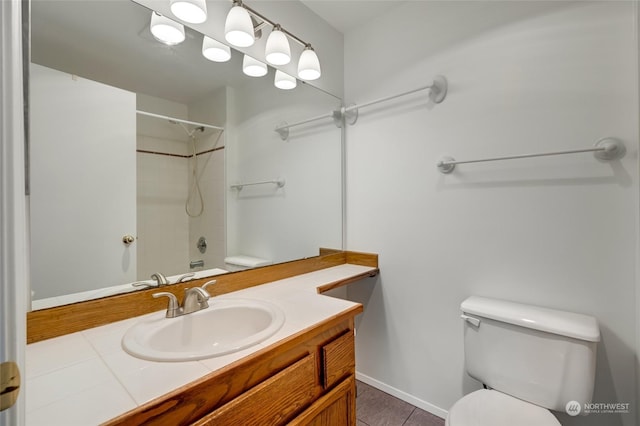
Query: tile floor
[{"x": 376, "y": 408}]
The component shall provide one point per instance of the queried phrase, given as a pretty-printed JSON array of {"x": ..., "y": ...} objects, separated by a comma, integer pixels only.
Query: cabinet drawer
[
  {"x": 273, "y": 402},
  {"x": 338, "y": 359}
]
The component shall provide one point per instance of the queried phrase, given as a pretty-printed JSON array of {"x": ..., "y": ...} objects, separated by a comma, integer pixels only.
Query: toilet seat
[{"x": 493, "y": 408}]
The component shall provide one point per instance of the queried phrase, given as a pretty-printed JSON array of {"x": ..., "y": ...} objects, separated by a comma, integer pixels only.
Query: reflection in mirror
[{"x": 134, "y": 138}]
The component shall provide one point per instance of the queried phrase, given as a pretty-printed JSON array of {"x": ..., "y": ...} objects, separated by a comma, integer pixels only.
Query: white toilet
[
  {"x": 531, "y": 359},
  {"x": 243, "y": 262}
]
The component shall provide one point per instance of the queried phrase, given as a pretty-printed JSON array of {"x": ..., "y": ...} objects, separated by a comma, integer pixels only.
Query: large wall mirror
[{"x": 137, "y": 149}]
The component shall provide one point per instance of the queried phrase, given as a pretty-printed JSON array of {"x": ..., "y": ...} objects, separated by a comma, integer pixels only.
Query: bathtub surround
[
  {"x": 166, "y": 234},
  {"x": 559, "y": 232}
]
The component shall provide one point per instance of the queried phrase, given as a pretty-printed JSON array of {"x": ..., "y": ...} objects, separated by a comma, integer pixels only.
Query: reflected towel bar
[
  {"x": 604, "y": 149},
  {"x": 437, "y": 93},
  {"x": 279, "y": 182}
]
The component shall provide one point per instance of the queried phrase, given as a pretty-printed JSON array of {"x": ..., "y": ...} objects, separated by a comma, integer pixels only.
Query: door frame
[{"x": 13, "y": 202}]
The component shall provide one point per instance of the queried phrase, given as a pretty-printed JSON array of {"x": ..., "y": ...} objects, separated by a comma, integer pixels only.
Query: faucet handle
[
  {"x": 201, "y": 296},
  {"x": 185, "y": 276},
  {"x": 207, "y": 284},
  {"x": 173, "y": 310},
  {"x": 145, "y": 284}
]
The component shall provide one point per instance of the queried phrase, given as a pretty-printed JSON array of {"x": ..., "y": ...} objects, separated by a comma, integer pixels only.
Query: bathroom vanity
[
  {"x": 303, "y": 375},
  {"x": 307, "y": 378}
]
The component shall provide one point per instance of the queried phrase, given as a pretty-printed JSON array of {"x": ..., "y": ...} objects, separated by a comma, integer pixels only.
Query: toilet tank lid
[
  {"x": 577, "y": 326},
  {"x": 248, "y": 261}
]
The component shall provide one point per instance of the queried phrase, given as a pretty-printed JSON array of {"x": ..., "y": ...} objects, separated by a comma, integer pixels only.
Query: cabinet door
[
  {"x": 273, "y": 402},
  {"x": 83, "y": 183},
  {"x": 337, "y": 408}
]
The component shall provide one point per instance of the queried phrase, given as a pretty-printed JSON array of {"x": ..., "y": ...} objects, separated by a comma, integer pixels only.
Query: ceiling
[
  {"x": 130, "y": 58},
  {"x": 345, "y": 15}
]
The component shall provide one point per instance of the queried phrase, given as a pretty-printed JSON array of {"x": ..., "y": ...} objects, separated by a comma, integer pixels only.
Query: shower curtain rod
[
  {"x": 438, "y": 91},
  {"x": 178, "y": 120}
]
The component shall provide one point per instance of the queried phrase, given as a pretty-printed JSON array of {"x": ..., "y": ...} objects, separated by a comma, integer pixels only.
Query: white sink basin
[{"x": 226, "y": 326}]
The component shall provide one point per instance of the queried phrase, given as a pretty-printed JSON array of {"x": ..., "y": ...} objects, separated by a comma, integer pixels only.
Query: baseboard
[{"x": 436, "y": 411}]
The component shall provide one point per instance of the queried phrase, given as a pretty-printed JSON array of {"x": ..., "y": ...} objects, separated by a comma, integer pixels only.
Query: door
[
  {"x": 83, "y": 183},
  {"x": 13, "y": 240}
]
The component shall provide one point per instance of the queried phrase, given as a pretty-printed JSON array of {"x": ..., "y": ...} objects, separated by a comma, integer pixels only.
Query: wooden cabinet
[
  {"x": 306, "y": 379},
  {"x": 273, "y": 402},
  {"x": 292, "y": 396},
  {"x": 336, "y": 408}
]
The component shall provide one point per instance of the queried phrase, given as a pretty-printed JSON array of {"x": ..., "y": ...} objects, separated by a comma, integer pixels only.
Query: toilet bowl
[
  {"x": 532, "y": 361},
  {"x": 493, "y": 408}
]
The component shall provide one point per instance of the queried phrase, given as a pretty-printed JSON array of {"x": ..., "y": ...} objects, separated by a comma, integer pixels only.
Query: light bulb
[
  {"x": 308, "y": 64},
  {"x": 238, "y": 28},
  {"x": 166, "y": 30},
  {"x": 192, "y": 11},
  {"x": 277, "y": 50},
  {"x": 215, "y": 51},
  {"x": 252, "y": 67},
  {"x": 285, "y": 81}
]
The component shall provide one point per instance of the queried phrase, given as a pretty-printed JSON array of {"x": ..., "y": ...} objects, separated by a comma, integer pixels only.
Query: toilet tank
[
  {"x": 544, "y": 356},
  {"x": 242, "y": 262}
]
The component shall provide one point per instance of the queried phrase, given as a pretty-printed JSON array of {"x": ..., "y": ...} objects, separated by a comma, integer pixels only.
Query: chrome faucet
[
  {"x": 160, "y": 279},
  {"x": 174, "y": 309},
  {"x": 195, "y": 299}
]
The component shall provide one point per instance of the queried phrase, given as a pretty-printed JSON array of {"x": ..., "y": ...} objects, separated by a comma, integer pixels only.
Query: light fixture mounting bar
[{"x": 273, "y": 24}]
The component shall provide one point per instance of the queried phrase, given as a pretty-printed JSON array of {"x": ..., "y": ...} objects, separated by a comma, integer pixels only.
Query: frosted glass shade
[
  {"x": 166, "y": 30},
  {"x": 252, "y": 67},
  {"x": 309, "y": 65},
  {"x": 238, "y": 28},
  {"x": 192, "y": 11},
  {"x": 215, "y": 51},
  {"x": 277, "y": 50},
  {"x": 285, "y": 81}
]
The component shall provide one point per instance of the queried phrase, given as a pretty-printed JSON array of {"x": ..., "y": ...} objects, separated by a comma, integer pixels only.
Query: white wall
[
  {"x": 296, "y": 220},
  {"x": 556, "y": 231}
]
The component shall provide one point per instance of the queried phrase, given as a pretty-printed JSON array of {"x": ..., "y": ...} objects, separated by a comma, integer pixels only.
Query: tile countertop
[{"x": 86, "y": 378}]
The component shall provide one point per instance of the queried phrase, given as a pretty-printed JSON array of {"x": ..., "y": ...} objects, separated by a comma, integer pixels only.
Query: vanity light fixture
[
  {"x": 238, "y": 28},
  {"x": 166, "y": 30},
  {"x": 240, "y": 31},
  {"x": 308, "y": 64},
  {"x": 215, "y": 51},
  {"x": 191, "y": 11},
  {"x": 253, "y": 67},
  {"x": 285, "y": 81},
  {"x": 277, "y": 50}
]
